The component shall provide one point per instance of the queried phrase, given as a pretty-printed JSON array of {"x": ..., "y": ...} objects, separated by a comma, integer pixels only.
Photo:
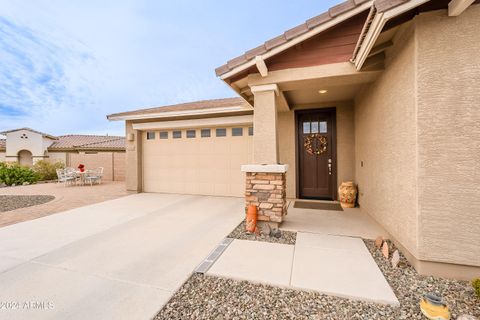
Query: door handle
[{"x": 330, "y": 167}]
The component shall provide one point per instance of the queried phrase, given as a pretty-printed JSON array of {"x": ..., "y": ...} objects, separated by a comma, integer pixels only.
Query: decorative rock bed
[
  {"x": 208, "y": 297},
  {"x": 274, "y": 236},
  {"x": 9, "y": 202}
]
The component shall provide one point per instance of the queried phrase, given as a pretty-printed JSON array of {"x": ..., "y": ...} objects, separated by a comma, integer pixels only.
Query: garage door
[{"x": 202, "y": 161}]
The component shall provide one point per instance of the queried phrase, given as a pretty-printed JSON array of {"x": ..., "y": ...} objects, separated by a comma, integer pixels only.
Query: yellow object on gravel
[{"x": 434, "y": 310}]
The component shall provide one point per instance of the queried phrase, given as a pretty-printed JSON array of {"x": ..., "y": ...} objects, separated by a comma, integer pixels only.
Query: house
[
  {"x": 27, "y": 146},
  {"x": 384, "y": 93}
]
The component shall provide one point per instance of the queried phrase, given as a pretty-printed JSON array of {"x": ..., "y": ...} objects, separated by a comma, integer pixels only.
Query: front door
[{"x": 316, "y": 143}]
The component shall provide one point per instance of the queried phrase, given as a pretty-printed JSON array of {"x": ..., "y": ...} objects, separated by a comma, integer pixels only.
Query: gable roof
[
  {"x": 46, "y": 135},
  {"x": 293, "y": 34},
  {"x": 332, "y": 17},
  {"x": 185, "y": 109},
  {"x": 89, "y": 142}
]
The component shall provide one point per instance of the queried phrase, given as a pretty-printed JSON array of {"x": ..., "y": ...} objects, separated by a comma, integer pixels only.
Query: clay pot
[
  {"x": 347, "y": 194},
  {"x": 252, "y": 213}
]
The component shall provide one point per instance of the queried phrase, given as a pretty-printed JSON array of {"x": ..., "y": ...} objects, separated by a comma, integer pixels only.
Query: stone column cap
[{"x": 270, "y": 168}]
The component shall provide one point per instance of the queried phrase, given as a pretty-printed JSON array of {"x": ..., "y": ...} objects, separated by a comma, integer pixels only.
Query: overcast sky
[{"x": 65, "y": 65}]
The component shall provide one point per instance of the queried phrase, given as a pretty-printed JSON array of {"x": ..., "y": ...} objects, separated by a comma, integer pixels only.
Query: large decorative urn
[{"x": 347, "y": 194}]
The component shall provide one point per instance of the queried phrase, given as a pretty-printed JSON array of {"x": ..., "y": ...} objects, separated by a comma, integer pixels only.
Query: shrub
[
  {"x": 14, "y": 174},
  {"x": 47, "y": 170},
  {"x": 476, "y": 286}
]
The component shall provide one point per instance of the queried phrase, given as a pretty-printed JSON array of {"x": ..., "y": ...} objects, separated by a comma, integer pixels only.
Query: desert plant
[
  {"x": 476, "y": 286},
  {"x": 15, "y": 174},
  {"x": 47, "y": 170}
]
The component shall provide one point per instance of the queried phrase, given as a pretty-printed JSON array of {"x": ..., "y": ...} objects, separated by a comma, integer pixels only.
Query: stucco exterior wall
[
  {"x": 35, "y": 143},
  {"x": 385, "y": 143},
  {"x": 2, "y": 156},
  {"x": 345, "y": 142},
  {"x": 449, "y": 136},
  {"x": 57, "y": 157},
  {"x": 133, "y": 159}
]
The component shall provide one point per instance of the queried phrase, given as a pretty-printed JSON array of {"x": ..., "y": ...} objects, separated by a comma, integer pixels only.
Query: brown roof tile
[
  {"x": 341, "y": 8},
  {"x": 76, "y": 141},
  {"x": 236, "y": 61},
  {"x": 383, "y": 5},
  {"x": 275, "y": 42},
  {"x": 197, "y": 105},
  {"x": 297, "y": 31},
  {"x": 255, "y": 52},
  {"x": 318, "y": 20}
]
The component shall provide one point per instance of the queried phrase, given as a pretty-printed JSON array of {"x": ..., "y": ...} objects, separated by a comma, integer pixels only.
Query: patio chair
[
  {"x": 65, "y": 178},
  {"x": 94, "y": 176}
]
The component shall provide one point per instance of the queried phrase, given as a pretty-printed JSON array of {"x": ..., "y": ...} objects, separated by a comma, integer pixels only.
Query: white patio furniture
[
  {"x": 65, "y": 178},
  {"x": 94, "y": 176}
]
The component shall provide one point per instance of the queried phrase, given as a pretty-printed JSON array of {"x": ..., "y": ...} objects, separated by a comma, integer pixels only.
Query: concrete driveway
[{"x": 120, "y": 259}]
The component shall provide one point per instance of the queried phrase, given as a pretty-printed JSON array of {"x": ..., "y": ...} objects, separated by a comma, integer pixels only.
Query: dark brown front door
[{"x": 316, "y": 143}]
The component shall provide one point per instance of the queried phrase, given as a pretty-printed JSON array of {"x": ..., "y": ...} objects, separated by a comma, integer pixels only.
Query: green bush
[
  {"x": 476, "y": 286},
  {"x": 14, "y": 174},
  {"x": 47, "y": 170}
]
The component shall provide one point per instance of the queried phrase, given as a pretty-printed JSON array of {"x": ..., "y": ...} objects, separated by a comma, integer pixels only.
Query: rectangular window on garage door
[
  {"x": 221, "y": 132},
  {"x": 177, "y": 134},
  {"x": 150, "y": 135}
]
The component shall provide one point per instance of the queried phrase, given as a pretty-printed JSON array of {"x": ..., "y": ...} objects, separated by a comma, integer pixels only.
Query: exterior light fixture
[{"x": 323, "y": 91}]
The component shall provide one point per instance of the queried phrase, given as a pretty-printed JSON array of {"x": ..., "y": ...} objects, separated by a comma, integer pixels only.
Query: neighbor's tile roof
[
  {"x": 380, "y": 6},
  {"x": 31, "y": 130},
  {"x": 88, "y": 142},
  {"x": 197, "y": 105}
]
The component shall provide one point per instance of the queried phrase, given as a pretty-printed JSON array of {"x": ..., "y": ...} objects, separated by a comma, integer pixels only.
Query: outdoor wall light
[{"x": 323, "y": 91}]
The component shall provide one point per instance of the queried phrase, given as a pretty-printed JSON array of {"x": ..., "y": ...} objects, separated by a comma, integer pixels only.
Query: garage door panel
[{"x": 209, "y": 166}]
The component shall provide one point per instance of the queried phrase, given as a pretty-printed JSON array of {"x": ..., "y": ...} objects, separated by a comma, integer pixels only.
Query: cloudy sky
[{"x": 65, "y": 65}]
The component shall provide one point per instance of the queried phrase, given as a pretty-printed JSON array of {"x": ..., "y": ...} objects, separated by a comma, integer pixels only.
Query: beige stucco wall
[
  {"x": 35, "y": 143},
  {"x": 345, "y": 142},
  {"x": 57, "y": 157},
  {"x": 449, "y": 136},
  {"x": 385, "y": 141},
  {"x": 2, "y": 156},
  {"x": 133, "y": 158}
]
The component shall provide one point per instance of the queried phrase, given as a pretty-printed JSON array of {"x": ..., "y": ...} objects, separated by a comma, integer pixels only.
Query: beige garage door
[{"x": 199, "y": 161}]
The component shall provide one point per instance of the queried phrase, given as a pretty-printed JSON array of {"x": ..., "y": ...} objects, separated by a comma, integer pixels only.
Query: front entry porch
[{"x": 351, "y": 222}]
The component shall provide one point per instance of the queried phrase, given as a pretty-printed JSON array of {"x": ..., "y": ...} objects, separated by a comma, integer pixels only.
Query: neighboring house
[
  {"x": 26, "y": 146},
  {"x": 383, "y": 93}
]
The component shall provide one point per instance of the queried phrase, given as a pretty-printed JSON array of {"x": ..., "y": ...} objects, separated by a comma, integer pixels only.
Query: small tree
[
  {"x": 476, "y": 286},
  {"x": 47, "y": 170}
]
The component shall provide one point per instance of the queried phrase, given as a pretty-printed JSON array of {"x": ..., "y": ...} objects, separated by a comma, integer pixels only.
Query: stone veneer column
[{"x": 266, "y": 188}]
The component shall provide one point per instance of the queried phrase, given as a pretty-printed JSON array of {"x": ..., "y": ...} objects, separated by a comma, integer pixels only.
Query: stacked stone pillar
[{"x": 266, "y": 189}]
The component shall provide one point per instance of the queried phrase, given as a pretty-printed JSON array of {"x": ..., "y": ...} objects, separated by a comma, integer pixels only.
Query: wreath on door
[{"x": 315, "y": 144}]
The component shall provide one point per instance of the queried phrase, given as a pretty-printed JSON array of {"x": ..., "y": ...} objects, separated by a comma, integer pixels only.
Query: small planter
[{"x": 347, "y": 194}]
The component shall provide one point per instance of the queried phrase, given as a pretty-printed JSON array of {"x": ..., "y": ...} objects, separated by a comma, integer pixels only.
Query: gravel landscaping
[
  {"x": 208, "y": 297},
  {"x": 275, "y": 236},
  {"x": 11, "y": 202},
  {"x": 409, "y": 287}
]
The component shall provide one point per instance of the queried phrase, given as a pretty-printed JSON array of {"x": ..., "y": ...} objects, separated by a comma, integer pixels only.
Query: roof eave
[
  {"x": 224, "y": 72},
  {"x": 170, "y": 114}
]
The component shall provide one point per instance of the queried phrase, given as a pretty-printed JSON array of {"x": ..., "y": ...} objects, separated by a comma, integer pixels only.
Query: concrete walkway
[
  {"x": 334, "y": 265},
  {"x": 120, "y": 259}
]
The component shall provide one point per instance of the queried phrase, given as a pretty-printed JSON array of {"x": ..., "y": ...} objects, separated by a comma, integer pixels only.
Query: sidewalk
[{"x": 334, "y": 265}]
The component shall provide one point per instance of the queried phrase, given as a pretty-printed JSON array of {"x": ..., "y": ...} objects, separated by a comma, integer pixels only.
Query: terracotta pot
[
  {"x": 347, "y": 194},
  {"x": 252, "y": 213}
]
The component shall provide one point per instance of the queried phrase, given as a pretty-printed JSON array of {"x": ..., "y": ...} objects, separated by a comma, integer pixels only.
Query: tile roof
[
  {"x": 31, "y": 130},
  {"x": 290, "y": 34},
  {"x": 380, "y": 6},
  {"x": 196, "y": 105},
  {"x": 88, "y": 142}
]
